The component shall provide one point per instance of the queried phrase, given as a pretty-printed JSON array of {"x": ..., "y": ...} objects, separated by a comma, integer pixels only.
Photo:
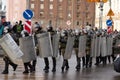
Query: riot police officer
[
  {"x": 46, "y": 69},
  {"x": 63, "y": 42},
  {"x": 4, "y": 30},
  {"x": 88, "y": 52},
  {"x": 76, "y": 45}
]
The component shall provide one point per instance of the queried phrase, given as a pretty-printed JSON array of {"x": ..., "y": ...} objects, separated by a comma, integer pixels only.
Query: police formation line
[{"x": 87, "y": 44}]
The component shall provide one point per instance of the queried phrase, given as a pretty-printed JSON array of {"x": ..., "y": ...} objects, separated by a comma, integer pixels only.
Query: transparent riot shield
[
  {"x": 11, "y": 48},
  {"x": 44, "y": 45},
  {"x": 27, "y": 46}
]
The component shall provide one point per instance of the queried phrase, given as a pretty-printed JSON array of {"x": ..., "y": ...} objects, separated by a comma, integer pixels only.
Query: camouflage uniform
[
  {"x": 63, "y": 42},
  {"x": 76, "y": 45},
  {"x": 88, "y": 48},
  {"x": 46, "y": 69}
]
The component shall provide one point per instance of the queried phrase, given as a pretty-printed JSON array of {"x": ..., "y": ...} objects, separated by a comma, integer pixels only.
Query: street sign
[
  {"x": 68, "y": 22},
  {"x": 110, "y": 13},
  {"x": 28, "y": 14},
  {"x": 28, "y": 27},
  {"x": 109, "y": 29},
  {"x": 109, "y": 22}
]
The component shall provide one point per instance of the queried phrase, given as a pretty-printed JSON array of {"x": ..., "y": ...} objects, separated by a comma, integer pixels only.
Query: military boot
[
  {"x": 78, "y": 64},
  {"x": 46, "y": 69},
  {"x": 83, "y": 62},
  {"x": 34, "y": 65},
  {"x": 6, "y": 66},
  {"x": 54, "y": 64},
  {"x": 67, "y": 65},
  {"x": 63, "y": 65}
]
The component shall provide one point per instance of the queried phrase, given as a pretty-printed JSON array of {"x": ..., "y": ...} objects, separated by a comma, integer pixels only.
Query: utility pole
[
  {"x": 101, "y": 10},
  {"x": 101, "y": 14}
]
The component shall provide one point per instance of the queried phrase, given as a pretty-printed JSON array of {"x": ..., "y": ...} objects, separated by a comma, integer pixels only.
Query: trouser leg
[
  {"x": 83, "y": 60},
  {"x": 78, "y": 59},
  {"x": 5, "y": 71},
  {"x": 59, "y": 51},
  {"x": 34, "y": 64},
  {"x": 90, "y": 62},
  {"x": 104, "y": 60},
  {"x": 67, "y": 65},
  {"x": 54, "y": 64},
  {"x": 63, "y": 65},
  {"x": 113, "y": 57},
  {"x": 78, "y": 63},
  {"x": 13, "y": 65},
  {"x": 109, "y": 58},
  {"x": 46, "y": 69},
  {"x": 26, "y": 68},
  {"x": 87, "y": 60},
  {"x": 46, "y": 63},
  {"x": 97, "y": 61},
  {"x": 30, "y": 66}
]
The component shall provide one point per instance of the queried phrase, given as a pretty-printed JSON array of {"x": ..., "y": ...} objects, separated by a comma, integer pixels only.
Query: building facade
[
  {"x": 115, "y": 6},
  {"x": 14, "y": 10},
  {"x": 63, "y": 13},
  {"x": 2, "y": 8}
]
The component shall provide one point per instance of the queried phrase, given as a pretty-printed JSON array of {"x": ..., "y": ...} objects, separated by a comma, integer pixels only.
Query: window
[
  {"x": 78, "y": 23},
  {"x": 78, "y": 7},
  {"x": 32, "y": 6},
  {"x": 87, "y": 8},
  {"x": 69, "y": 1},
  {"x": 41, "y": 6},
  {"x": 60, "y": 8},
  {"x": 51, "y": 14},
  {"x": 87, "y": 16},
  {"x": 51, "y": 6},
  {"x": 78, "y": 0},
  {"x": 77, "y": 16},
  {"x": 41, "y": 14},
  {"x": 69, "y": 7},
  {"x": 60, "y": 0},
  {"x": 69, "y": 15},
  {"x": 60, "y": 15},
  {"x": 51, "y": 0},
  {"x": 41, "y": 0}
]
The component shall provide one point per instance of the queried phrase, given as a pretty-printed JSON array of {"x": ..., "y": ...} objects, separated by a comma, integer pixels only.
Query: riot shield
[
  {"x": 55, "y": 44},
  {"x": 93, "y": 47},
  {"x": 97, "y": 46},
  {"x": 27, "y": 46},
  {"x": 11, "y": 48},
  {"x": 69, "y": 47},
  {"x": 82, "y": 46},
  {"x": 44, "y": 44},
  {"x": 103, "y": 46},
  {"x": 109, "y": 45}
]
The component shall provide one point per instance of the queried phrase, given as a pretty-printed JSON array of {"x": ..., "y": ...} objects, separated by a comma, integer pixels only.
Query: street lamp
[
  {"x": 101, "y": 9},
  {"x": 101, "y": 13}
]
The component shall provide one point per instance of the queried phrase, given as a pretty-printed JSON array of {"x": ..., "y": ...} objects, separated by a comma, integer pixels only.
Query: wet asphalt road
[{"x": 94, "y": 73}]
